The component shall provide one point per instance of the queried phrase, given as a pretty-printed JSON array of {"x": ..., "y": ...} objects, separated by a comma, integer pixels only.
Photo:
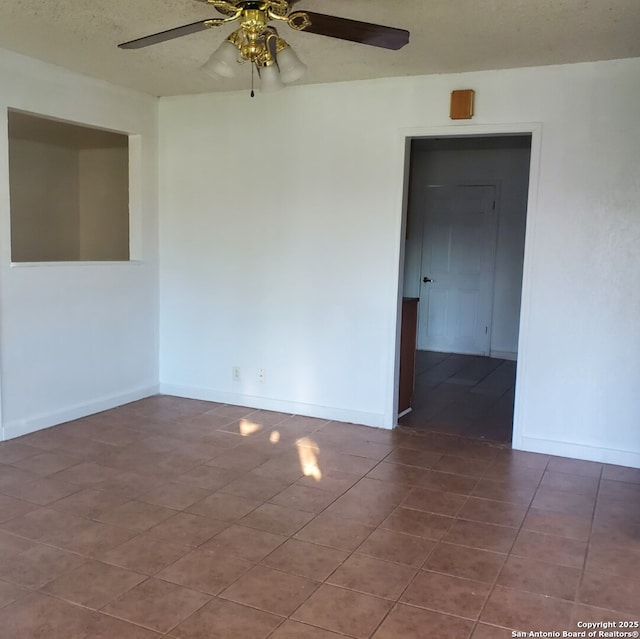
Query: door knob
[{"x": 426, "y": 279}]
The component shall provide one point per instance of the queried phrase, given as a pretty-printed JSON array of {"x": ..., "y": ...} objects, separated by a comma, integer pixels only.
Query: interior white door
[{"x": 458, "y": 264}]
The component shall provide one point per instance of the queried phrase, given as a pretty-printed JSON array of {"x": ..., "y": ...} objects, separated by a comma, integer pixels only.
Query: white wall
[
  {"x": 281, "y": 227},
  {"x": 75, "y": 337},
  {"x": 506, "y": 164}
]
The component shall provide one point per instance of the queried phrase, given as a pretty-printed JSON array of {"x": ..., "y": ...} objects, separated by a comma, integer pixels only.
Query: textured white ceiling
[{"x": 446, "y": 36}]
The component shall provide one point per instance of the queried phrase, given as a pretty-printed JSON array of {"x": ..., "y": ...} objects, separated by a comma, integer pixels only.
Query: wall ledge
[
  {"x": 629, "y": 458},
  {"x": 17, "y": 428},
  {"x": 282, "y": 406}
]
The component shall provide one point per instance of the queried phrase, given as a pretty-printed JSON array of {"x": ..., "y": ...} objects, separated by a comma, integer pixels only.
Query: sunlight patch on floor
[{"x": 308, "y": 452}]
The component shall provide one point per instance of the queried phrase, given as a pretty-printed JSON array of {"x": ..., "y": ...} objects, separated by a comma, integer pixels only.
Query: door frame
[
  {"x": 497, "y": 185},
  {"x": 534, "y": 129}
]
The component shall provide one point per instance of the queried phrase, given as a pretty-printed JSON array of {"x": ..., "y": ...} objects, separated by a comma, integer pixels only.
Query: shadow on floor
[{"x": 463, "y": 395}]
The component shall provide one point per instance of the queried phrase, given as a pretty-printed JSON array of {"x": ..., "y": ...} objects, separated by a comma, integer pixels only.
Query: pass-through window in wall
[{"x": 69, "y": 188}]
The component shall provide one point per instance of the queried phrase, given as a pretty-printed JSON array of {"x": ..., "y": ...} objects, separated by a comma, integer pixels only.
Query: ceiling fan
[{"x": 258, "y": 42}]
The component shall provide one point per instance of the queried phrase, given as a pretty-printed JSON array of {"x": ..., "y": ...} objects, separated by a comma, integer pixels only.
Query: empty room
[{"x": 319, "y": 320}]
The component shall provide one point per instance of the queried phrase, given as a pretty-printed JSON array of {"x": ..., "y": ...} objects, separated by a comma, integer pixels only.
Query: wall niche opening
[{"x": 69, "y": 190}]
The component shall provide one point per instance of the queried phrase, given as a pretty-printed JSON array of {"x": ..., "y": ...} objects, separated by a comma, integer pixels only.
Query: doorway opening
[{"x": 463, "y": 263}]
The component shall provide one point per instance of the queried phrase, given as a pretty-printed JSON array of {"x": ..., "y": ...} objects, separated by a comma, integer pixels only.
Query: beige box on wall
[{"x": 462, "y": 103}]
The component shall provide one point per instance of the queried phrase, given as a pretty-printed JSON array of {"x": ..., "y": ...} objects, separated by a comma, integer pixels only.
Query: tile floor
[
  {"x": 463, "y": 395},
  {"x": 185, "y": 519}
]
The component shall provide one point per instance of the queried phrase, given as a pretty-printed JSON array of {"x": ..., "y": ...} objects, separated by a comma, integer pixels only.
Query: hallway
[{"x": 463, "y": 395}]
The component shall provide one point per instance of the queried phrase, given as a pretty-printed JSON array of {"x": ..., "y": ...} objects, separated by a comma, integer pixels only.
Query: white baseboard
[
  {"x": 510, "y": 355},
  {"x": 580, "y": 451},
  {"x": 16, "y": 428},
  {"x": 282, "y": 406}
]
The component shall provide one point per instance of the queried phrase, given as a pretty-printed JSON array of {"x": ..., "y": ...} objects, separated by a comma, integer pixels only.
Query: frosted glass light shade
[
  {"x": 291, "y": 69},
  {"x": 223, "y": 62},
  {"x": 270, "y": 80}
]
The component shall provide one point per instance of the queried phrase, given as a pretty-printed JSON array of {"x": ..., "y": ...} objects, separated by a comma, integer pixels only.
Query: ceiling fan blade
[
  {"x": 375, "y": 35},
  {"x": 169, "y": 34}
]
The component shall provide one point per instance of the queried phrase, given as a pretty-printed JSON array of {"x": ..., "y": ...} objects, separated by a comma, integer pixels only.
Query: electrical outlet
[
  {"x": 235, "y": 373},
  {"x": 261, "y": 375}
]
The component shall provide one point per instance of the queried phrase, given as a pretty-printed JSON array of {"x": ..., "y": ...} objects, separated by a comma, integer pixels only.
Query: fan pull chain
[{"x": 253, "y": 68}]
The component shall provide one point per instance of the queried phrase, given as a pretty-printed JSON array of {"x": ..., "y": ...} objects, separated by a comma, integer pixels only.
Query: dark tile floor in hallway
[
  {"x": 179, "y": 518},
  {"x": 463, "y": 395}
]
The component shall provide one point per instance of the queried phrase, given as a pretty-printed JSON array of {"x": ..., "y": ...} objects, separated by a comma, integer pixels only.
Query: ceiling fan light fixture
[
  {"x": 223, "y": 62},
  {"x": 291, "y": 68},
  {"x": 257, "y": 42},
  {"x": 270, "y": 80}
]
